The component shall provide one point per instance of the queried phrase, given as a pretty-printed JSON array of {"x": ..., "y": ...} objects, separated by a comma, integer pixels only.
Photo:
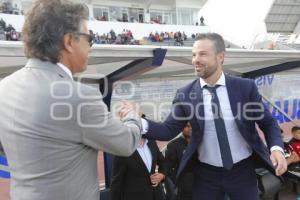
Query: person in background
[
  {"x": 294, "y": 147},
  {"x": 135, "y": 177},
  {"x": 173, "y": 155}
]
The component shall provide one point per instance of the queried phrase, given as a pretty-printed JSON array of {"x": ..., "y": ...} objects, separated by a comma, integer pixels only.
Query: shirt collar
[
  {"x": 67, "y": 70},
  {"x": 145, "y": 143},
  {"x": 221, "y": 81}
]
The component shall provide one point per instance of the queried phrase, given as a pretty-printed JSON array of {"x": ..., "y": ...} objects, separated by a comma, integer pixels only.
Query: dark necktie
[{"x": 220, "y": 129}]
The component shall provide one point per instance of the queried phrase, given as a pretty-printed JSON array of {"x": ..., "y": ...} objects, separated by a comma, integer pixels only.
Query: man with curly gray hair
[{"x": 51, "y": 127}]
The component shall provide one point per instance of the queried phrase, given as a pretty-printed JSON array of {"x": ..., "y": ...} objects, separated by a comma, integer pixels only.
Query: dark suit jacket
[
  {"x": 188, "y": 106},
  {"x": 131, "y": 178},
  {"x": 175, "y": 150}
]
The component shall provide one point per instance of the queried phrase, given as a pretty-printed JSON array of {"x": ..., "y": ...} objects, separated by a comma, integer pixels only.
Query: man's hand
[
  {"x": 127, "y": 107},
  {"x": 156, "y": 178},
  {"x": 279, "y": 162}
]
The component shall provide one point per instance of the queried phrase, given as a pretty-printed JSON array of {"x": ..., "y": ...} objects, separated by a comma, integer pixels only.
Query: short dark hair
[
  {"x": 295, "y": 128},
  {"x": 45, "y": 25},
  {"x": 216, "y": 38}
]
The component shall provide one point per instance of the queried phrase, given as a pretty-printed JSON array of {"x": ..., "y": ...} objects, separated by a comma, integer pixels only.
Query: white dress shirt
[
  {"x": 209, "y": 150},
  {"x": 145, "y": 154}
]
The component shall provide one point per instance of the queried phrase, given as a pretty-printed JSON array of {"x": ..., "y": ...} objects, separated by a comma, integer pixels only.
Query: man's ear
[
  {"x": 221, "y": 57},
  {"x": 68, "y": 42}
]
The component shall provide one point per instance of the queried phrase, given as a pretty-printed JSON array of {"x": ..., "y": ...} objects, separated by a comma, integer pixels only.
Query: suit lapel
[
  {"x": 233, "y": 93},
  {"x": 153, "y": 153},
  {"x": 140, "y": 161},
  {"x": 196, "y": 98}
]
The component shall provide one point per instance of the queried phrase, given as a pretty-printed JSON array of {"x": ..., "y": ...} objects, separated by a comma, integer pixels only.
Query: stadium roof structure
[
  {"x": 283, "y": 17},
  {"x": 124, "y": 62}
]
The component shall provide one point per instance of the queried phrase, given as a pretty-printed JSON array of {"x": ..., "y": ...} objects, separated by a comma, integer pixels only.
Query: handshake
[{"x": 127, "y": 107}]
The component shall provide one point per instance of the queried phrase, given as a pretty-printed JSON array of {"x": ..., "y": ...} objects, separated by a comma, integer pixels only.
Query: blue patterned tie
[{"x": 220, "y": 129}]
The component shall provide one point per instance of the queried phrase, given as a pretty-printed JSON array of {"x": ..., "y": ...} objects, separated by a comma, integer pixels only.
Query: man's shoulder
[
  {"x": 238, "y": 79},
  {"x": 176, "y": 142},
  {"x": 189, "y": 86},
  {"x": 85, "y": 90}
]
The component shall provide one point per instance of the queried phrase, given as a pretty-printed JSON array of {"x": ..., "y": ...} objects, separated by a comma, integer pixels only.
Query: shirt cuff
[
  {"x": 277, "y": 148},
  {"x": 145, "y": 126}
]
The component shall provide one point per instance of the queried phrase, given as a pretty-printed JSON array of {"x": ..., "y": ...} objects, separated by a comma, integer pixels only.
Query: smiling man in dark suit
[{"x": 223, "y": 111}]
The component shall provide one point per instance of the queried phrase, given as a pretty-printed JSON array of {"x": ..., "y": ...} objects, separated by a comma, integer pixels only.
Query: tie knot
[{"x": 211, "y": 89}]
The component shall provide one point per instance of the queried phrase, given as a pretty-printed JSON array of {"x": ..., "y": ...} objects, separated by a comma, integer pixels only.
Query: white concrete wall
[
  {"x": 117, "y": 3},
  {"x": 190, "y": 3},
  {"x": 16, "y": 21}
]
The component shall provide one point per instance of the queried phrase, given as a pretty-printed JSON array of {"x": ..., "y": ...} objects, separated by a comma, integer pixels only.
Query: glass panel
[
  {"x": 97, "y": 13},
  {"x": 105, "y": 15},
  {"x": 174, "y": 18},
  {"x": 156, "y": 16},
  {"x": 195, "y": 17},
  {"x": 141, "y": 18},
  {"x": 185, "y": 16},
  {"x": 125, "y": 15},
  {"x": 167, "y": 19},
  {"x": 115, "y": 13},
  {"x": 101, "y": 14},
  {"x": 136, "y": 15}
]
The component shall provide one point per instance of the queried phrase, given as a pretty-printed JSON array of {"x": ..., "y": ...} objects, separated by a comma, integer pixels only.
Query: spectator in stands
[
  {"x": 113, "y": 35},
  {"x": 294, "y": 146},
  {"x": 184, "y": 36},
  {"x": 156, "y": 37},
  {"x": 134, "y": 177},
  {"x": 202, "y": 21},
  {"x": 51, "y": 127},
  {"x": 2, "y": 24},
  {"x": 178, "y": 39},
  {"x": 15, "y": 10},
  {"x": 14, "y": 36},
  {"x": 7, "y": 7},
  {"x": 162, "y": 36},
  {"x": 11, "y": 33},
  {"x": 174, "y": 152},
  {"x": 2, "y": 34}
]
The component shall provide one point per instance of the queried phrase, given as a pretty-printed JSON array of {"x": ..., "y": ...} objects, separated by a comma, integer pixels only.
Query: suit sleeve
[
  {"x": 174, "y": 123},
  {"x": 171, "y": 161},
  {"x": 102, "y": 131},
  {"x": 265, "y": 120},
  {"x": 118, "y": 178}
]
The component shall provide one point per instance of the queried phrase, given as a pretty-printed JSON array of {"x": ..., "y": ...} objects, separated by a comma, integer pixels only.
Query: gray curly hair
[{"x": 45, "y": 25}]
